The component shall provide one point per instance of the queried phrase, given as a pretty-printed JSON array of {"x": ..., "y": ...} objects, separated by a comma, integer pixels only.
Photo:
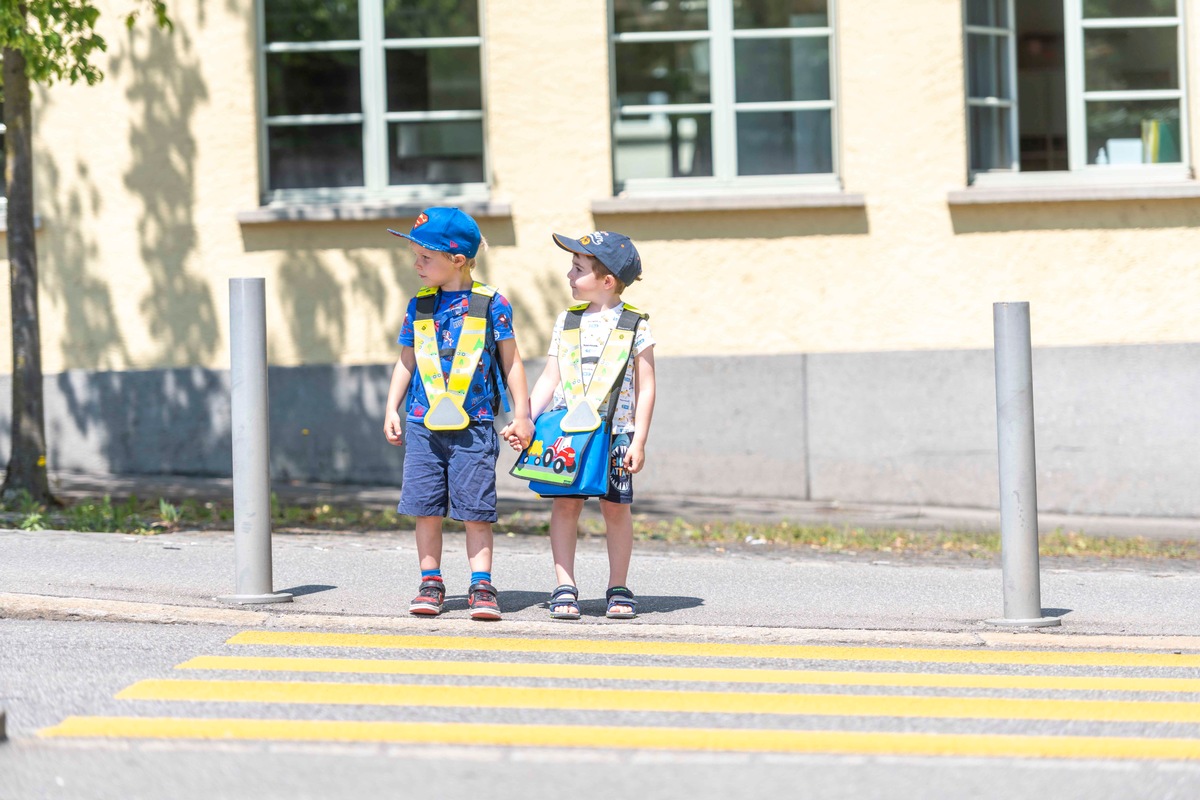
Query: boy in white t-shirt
[{"x": 603, "y": 264}]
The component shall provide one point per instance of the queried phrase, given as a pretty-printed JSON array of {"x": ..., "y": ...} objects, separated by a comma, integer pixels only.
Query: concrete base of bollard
[
  {"x": 249, "y": 599},
  {"x": 1039, "y": 622}
]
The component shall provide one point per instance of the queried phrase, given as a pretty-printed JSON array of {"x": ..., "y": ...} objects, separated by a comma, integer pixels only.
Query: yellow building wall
[{"x": 140, "y": 179}]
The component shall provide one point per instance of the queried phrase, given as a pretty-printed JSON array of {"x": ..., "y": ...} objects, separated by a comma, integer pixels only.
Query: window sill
[
  {"x": 665, "y": 203},
  {"x": 976, "y": 195},
  {"x": 361, "y": 212}
]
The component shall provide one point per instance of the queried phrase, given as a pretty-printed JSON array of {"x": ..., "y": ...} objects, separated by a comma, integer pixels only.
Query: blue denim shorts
[{"x": 450, "y": 473}]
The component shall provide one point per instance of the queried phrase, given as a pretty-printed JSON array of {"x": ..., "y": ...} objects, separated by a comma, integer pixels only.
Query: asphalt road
[{"x": 56, "y": 672}]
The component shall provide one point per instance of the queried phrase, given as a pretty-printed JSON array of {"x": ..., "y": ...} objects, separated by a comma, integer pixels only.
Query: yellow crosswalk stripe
[
  {"x": 716, "y": 649},
  {"x": 597, "y": 672},
  {"x": 373, "y": 694},
  {"x": 631, "y": 738}
]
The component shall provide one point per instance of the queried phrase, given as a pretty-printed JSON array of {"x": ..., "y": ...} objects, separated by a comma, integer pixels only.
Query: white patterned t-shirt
[{"x": 594, "y": 329}]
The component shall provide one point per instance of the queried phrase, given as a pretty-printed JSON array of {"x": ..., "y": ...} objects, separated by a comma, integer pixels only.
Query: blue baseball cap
[
  {"x": 614, "y": 250},
  {"x": 448, "y": 230}
]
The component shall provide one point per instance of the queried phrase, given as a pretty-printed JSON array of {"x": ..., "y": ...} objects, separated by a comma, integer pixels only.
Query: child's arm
[
  {"x": 402, "y": 374},
  {"x": 643, "y": 411},
  {"x": 543, "y": 391},
  {"x": 519, "y": 432}
]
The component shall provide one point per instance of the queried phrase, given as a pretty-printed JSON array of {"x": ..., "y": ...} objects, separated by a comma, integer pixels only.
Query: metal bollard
[
  {"x": 251, "y": 448},
  {"x": 1018, "y": 476}
]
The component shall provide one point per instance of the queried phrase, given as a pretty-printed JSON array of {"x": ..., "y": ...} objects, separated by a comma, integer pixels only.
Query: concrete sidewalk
[{"x": 364, "y": 581}]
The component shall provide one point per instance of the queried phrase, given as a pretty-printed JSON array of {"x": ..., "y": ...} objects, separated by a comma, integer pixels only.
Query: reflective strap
[
  {"x": 446, "y": 398},
  {"x": 584, "y": 404}
]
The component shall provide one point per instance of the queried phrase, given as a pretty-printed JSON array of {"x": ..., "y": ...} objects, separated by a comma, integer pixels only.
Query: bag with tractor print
[
  {"x": 558, "y": 463},
  {"x": 569, "y": 453}
]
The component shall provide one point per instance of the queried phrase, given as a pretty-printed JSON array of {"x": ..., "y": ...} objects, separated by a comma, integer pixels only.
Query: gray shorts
[{"x": 450, "y": 473}]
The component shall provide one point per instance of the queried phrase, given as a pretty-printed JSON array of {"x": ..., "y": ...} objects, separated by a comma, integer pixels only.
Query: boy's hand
[
  {"x": 518, "y": 433},
  {"x": 391, "y": 428},
  {"x": 635, "y": 458}
]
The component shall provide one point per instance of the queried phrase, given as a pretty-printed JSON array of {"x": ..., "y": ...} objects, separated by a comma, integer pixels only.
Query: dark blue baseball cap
[
  {"x": 614, "y": 250},
  {"x": 448, "y": 230}
]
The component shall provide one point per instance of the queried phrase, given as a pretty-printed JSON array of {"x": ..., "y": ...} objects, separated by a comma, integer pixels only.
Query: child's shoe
[
  {"x": 430, "y": 598},
  {"x": 481, "y": 598}
]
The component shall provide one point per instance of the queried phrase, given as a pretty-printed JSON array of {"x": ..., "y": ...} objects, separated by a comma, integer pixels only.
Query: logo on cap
[{"x": 421, "y": 220}]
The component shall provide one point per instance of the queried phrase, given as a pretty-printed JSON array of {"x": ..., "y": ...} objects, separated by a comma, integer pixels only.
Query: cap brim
[{"x": 571, "y": 245}]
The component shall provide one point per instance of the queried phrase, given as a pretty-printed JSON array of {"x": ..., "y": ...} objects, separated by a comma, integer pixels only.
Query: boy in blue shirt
[{"x": 454, "y": 331}]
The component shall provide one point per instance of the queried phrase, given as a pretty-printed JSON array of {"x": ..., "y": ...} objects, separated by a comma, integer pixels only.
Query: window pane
[
  {"x": 751, "y": 14},
  {"x": 1131, "y": 58},
  {"x": 436, "y": 152},
  {"x": 440, "y": 79},
  {"x": 987, "y": 66},
  {"x": 1133, "y": 132},
  {"x": 990, "y": 147},
  {"x": 784, "y": 142},
  {"x": 311, "y": 20},
  {"x": 663, "y": 146},
  {"x": 632, "y": 16},
  {"x": 1041, "y": 85},
  {"x": 662, "y": 72},
  {"x": 423, "y": 19},
  {"x": 313, "y": 83},
  {"x": 1129, "y": 8},
  {"x": 315, "y": 157},
  {"x": 781, "y": 69},
  {"x": 988, "y": 13}
]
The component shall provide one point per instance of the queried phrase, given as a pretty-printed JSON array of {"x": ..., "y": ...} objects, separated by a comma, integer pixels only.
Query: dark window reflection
[
  {"x": 444, "y": 79},
  {"x": 424, "y": 19},
  {"x": 785, "y": 142},
  {"x": 311, "y": 20},
  {"x": 313, "y": 83},
  {"x": 634, "y": 16},
  {"x": 436, "y": 152},
  {"x": 315, "y": 157}
]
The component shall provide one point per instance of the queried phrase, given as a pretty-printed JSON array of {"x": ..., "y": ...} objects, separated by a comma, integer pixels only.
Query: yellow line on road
[
  {"x": 716, "y": 650},
  {"x": 376, "y": 694},
  {"x": 621, "y": 738},
  {"x": 593, "y": 672}
]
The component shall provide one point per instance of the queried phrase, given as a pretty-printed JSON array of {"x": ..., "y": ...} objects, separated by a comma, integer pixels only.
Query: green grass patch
[{"x": 160, "y": 515}]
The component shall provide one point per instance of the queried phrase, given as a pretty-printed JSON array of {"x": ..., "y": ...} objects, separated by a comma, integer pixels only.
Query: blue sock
[
  {"x": 476, "y": 577},
  {"x": 430, "y": 573}
]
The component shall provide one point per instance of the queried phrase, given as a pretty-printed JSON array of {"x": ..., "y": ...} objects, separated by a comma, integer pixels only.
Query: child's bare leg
[
  {"x": 429, "y": 542},
  {"x": 564, "y": 533},
  {"x": 479, "y": 545},
  {"x": 618, "y": 525}
]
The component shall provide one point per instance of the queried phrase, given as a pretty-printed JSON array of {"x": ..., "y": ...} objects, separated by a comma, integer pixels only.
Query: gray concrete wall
[{"x": 1117, "y": 427}]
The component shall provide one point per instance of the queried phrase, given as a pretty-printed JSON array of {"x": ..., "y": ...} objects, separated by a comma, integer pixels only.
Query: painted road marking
[
  {"x": 717, "y": 650},
  {"x": 575, "y": 699},
  {"x": 596, "y": 672},
  {"x": 629, "y": 738}
]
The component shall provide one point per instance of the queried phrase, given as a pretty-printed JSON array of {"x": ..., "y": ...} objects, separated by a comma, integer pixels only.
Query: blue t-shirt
[{"x": 448, "y": 319}]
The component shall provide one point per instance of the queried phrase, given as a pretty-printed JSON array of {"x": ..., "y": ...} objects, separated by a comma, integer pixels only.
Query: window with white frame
[
  {"x": 371, "y": 98},
  {"x": 722, "y": 93},
  {"x": 1094, "y": 87}
]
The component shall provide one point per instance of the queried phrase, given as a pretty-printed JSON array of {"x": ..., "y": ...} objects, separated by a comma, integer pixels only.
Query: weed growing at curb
[{"x": 161, "y": 515}]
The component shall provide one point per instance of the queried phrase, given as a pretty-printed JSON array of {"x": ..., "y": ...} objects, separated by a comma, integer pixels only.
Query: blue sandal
[
  {"x": 619, "y": 597},
  {"x": 564, "y": 603}
]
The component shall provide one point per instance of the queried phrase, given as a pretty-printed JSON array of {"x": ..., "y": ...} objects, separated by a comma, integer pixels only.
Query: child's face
[
  {"x": 434, "y": 268},
  {"x": 584, "y": 283}
]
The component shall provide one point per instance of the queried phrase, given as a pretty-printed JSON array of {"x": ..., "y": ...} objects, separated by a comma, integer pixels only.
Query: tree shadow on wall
[
  {"x": 165, "y": 90},
  {"x": 92, "y": 336}
]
